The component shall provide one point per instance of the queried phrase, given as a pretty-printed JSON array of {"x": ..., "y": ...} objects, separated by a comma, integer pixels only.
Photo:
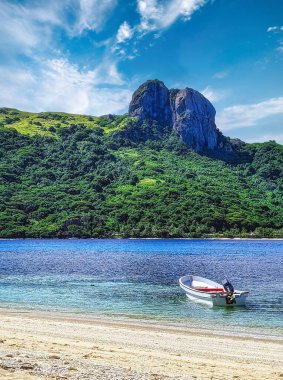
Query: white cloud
[
  {"x": 221, "y": 74},
  {"x": 23, "y": 28},
  {"x": 16, "y": 87},
  {"x": 59, "y": 85},
  {"x": 54, "y": 83},
  {"x": 214, "y": 95},
  {"x": 155, "y": 16},
  {"x": 267, "y": 137},
  {"x": 280, "y": 47},
  {"x": 158, "y": 15},
  {"x": 85, "y": 90},
  {"x": 247, "y": 115},
  {"x": 32, "y": 25},
  {"x": 124, "y": 32},
  {"x": 275, "y": 29},
  {"x": 92, "y": 14}
]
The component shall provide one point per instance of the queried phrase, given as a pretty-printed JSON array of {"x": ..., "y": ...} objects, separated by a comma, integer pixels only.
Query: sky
[{"x": 88, "y": 56}]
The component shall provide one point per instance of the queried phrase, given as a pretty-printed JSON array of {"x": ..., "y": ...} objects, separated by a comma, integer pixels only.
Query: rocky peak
[
  {"x": 151, "y": 101},
  {"x": 194, "y": 120},
  {"x": 186, "y": 111}
]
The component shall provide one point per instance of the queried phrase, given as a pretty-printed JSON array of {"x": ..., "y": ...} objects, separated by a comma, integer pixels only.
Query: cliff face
[
  {"x": 194, "y": 120},
  {"x": 151, "y": 101},
  {"x": 186, "y": 111}
]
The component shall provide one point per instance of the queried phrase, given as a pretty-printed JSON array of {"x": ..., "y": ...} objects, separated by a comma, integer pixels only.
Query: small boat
[{"x": 205, "y": 291}]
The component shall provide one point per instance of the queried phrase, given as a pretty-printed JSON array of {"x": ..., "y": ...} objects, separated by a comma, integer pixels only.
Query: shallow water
[{"x": 139, "y": 279}]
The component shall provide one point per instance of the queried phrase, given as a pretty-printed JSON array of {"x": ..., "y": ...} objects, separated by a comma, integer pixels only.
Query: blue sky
[{"x": 88, "y": 56}]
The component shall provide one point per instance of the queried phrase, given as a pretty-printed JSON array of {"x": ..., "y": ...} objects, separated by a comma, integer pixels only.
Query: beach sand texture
[{"x": 37, "y": 345}]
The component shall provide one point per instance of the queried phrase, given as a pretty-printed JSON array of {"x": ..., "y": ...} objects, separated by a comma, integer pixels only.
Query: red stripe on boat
[{"x": 211, "y": 290}]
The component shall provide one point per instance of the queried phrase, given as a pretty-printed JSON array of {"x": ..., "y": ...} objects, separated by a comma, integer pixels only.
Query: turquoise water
[{"x": 139, "y": 279}]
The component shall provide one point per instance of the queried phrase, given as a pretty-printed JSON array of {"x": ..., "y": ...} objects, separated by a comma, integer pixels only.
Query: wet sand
[{"x": 45, "y": 345}]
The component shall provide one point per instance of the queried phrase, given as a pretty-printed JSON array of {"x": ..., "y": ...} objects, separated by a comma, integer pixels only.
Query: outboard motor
[
  {"x": 230, "y": 298},
  {"x": 228, "y": 286}
]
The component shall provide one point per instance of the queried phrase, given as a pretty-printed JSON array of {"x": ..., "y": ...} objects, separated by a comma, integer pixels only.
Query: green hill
[{"x": 64, "y": 175}]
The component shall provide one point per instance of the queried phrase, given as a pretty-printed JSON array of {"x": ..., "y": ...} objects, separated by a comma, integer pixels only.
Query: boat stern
[{"x": 222, "y": 300}]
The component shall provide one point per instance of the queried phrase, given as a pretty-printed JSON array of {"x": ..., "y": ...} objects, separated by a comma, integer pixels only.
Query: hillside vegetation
[{"x": 65, "y": 175}]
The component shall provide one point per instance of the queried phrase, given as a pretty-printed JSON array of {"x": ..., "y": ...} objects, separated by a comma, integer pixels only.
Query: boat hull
[{"x": 211, "y": 298}]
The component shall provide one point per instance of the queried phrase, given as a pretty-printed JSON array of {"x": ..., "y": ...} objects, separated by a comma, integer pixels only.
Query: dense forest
[{"x": 64, "y": 175}]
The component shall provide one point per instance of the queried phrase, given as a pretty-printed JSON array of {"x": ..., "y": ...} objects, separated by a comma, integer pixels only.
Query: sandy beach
[{"x": 42, "y": 345}]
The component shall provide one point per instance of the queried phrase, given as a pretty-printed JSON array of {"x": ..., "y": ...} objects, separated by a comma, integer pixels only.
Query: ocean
[{"x": 138, "y": 279}]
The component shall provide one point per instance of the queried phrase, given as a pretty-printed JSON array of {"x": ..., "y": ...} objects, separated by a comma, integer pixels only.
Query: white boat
[{"x": 205, "y": 291}]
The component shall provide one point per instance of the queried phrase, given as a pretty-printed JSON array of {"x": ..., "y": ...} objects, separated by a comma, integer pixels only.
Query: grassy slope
[
  {"x": 47, "y": 123},
  {"x": 66, "y": 175}
]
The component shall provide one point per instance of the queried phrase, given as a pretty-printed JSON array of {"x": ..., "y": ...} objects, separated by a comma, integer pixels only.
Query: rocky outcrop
[
  {"x": 186, "y": 111},
  {"x": 194, "y": 120},
  {"x": 151, "y": 101}
]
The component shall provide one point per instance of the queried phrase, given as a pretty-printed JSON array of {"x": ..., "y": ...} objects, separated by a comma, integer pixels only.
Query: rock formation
[
  {"x": 186, "y": 111},
  {"x": 194, "y": 120},
  {"x": 151, "y": 101}
]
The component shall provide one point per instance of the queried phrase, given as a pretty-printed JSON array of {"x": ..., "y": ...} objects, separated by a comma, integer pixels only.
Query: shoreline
[
  {"x": 256, "y": 333},
  {"x": 47, "y": 345},
  {"x": 144, "y": 238}
]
